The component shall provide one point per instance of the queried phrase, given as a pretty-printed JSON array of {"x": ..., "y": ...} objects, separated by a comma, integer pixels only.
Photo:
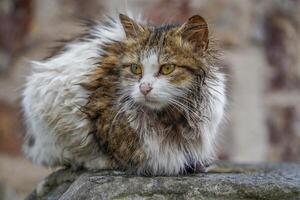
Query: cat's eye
[
  {"x": 167, "y": 69},
  {"x": 136, "y": 69}
]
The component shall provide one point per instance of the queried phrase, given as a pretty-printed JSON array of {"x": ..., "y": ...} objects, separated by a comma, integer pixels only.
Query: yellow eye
[
  {"x": 136, "y": 69},
  {"x": 167, "y": 69}
]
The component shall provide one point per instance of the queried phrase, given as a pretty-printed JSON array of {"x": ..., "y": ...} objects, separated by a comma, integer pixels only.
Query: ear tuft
[
  {"x": 131, "y": 28},
  {"x": 195, "y": 30}
]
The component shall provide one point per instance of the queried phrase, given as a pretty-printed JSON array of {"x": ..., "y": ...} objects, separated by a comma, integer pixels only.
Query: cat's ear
[
  {"x": 195, "y": 30},
  {"x": 131, "y": 28}
]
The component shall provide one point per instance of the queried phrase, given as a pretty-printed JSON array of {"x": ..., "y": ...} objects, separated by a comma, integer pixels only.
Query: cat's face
[
  {"x": 160, "y": 65},
  {"x": 155, "y": 78}
]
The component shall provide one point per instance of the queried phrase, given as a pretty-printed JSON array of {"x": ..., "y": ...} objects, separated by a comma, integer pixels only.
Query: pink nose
[{"x": 145, "y": 88}]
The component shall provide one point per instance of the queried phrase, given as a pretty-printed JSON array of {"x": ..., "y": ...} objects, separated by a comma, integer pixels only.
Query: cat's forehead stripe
[
  {"x": 157, "y": 36},
  {"x": 153, "y": 46}
]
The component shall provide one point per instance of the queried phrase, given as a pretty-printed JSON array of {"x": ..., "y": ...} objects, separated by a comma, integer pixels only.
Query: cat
[{"x": 130, "y": 96}]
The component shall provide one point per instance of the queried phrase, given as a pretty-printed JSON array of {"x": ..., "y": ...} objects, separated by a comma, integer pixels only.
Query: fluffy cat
[{"x": 128, "y": 96}]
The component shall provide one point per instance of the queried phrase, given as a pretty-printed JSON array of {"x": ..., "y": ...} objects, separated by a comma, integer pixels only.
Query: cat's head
[{"x": 159, "y": 65}]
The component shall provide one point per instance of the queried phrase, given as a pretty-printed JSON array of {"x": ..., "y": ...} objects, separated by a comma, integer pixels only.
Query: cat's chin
[{"x": 152, "y": 104}]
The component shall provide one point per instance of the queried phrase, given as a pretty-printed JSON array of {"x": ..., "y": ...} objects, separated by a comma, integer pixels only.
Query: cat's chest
[
  {"x": 162, "y": 132},
  {"x": 170, "y": 153},
  {"x": 169, "y": 124},
  {"x": 168, "y": 145}
]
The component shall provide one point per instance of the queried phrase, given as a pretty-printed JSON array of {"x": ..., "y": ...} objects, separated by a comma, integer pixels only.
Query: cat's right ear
[
  {"x": 195, "y": 30},
  {"x": 131, "y": 28}
]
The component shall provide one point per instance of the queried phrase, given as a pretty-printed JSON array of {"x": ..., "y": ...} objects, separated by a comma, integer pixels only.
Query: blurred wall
[{"x": 260, "y": 44}]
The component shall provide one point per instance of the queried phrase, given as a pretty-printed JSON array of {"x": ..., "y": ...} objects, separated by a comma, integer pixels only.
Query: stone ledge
[{"x": 236, "y": 181}]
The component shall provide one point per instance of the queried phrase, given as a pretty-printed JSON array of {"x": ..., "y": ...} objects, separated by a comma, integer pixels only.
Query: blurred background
[{"x": 261, "y": 55}]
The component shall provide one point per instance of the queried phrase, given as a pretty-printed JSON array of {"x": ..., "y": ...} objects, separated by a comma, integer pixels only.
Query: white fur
[
  {"x": 163, "y": 159},
  {"x": 215, "y": 113},
  {"x": 52, "y": 97}
]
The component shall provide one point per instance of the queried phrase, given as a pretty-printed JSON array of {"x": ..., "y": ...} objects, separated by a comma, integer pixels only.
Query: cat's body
[{"x": 126, "y": 96}]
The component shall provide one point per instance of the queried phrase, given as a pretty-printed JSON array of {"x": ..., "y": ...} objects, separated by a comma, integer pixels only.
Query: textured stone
[{"x": 263, "y": 181}]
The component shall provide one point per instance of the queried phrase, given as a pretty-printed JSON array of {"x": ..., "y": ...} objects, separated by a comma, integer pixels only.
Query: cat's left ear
[
  {"x": 195, "y": 30},
  {"x": 131, "y": 28}
]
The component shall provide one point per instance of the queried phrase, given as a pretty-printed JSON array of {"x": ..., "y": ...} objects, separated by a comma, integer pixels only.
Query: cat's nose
[{"x": 145, "y": 88}]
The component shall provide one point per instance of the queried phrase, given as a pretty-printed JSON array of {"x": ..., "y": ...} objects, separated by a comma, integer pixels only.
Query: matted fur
[{"x": 83, "y": 106}]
